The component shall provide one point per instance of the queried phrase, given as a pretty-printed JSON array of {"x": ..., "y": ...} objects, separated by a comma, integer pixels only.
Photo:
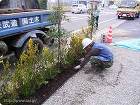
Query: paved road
[
  {"x": 128, "y": 30},
  {"x": 77, "y": 21}
]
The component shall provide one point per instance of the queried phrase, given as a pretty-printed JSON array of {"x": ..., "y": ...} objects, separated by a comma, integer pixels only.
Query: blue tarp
[{"x": 133, "y": 44}]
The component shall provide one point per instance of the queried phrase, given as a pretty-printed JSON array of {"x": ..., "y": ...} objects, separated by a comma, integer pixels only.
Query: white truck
[
  {"x": 129, "y": 9},
  {"x": 79, "y": 6}
]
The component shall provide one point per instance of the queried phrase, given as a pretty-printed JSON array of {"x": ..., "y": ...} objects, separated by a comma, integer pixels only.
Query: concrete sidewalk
[{"x": 119, "y": 85}]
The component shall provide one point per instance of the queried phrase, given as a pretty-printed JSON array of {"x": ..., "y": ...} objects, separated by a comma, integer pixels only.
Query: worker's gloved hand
[{"x": 77, "y": 67}]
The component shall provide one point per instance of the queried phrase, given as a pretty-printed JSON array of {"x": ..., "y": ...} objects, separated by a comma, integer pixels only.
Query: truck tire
[
  {"x": 118, "y": 17},
  {"x": 132, "y": 18},
  {"x": 48, "y": 41},
  {"x": 3, "y": 48},
  {"x": 137, "y": 15},
  {"x": 24, "y": 48},
  {"x": 81, "y": 11}
]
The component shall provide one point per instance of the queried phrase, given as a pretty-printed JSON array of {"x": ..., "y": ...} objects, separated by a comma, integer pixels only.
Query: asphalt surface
[
  {"x": 127, "y": 30},
  {"x": 77, "y": 21}
]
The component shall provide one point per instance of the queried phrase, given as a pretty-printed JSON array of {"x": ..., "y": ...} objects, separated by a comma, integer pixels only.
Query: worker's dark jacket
[{"x": 100, "y": 51}]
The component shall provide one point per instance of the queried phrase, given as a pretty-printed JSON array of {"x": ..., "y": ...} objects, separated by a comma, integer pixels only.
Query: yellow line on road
[{"x": 107, "y": 20}]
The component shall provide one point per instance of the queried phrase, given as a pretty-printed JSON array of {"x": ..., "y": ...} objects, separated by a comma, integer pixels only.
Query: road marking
[
  {"x": 86, "y": 15},
  {"x": 87, "y": 18},
  {"x": 79, "y": 19},
  {"x": 77, "y": 16},
  {"x": 107, "y": 20},
  {"x": 107, "y": 12},
  {"x": 74, "y": 20}
]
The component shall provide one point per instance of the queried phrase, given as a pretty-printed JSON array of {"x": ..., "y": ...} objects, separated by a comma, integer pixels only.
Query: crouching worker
[{"x": 98, "y": 54}]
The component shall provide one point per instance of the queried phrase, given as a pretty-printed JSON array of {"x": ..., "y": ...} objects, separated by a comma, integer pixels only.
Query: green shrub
[
  {"x": 75, "y": 51},
  {"x": 7, "y": 87},
  {"x": 50, "y": 59},
  {"x": 28, "y": 71},
  {"x": 32, "y": 71}
]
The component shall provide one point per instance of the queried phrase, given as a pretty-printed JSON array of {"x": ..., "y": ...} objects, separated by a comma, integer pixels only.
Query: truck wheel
[
  {"x": 118, "y": 17},
  {"x": 24, "y": 48},
  {"x": 137, "y": 15},
  {"x": 48, "y": 41},
  {"x": 81, "y": 11},
  {"x": 132, "y": 18}
]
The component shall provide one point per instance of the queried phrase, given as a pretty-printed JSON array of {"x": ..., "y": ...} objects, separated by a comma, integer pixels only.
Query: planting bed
[
  {"x": 46, "y": 91},
  {"x": 41, "y": 78}
]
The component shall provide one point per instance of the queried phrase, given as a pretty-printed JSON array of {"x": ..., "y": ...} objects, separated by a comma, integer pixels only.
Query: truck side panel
[{"x": 22, "y": 22}]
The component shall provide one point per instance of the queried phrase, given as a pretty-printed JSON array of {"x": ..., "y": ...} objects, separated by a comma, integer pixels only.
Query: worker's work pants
[
  {"x": 97, "y": 63},
  {"x": 96, "y": 22}
]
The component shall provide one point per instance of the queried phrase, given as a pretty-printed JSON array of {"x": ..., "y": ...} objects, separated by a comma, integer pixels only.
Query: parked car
[{"x": 78, "y": 8}]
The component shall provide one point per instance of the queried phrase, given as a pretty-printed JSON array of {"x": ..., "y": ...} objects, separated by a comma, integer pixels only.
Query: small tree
[
  {"x": 56, "y": 18},
  {"x": 91, "y": 20}
]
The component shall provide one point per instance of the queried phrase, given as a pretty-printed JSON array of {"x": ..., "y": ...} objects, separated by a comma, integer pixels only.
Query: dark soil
[{"x": 46, "y": 91}]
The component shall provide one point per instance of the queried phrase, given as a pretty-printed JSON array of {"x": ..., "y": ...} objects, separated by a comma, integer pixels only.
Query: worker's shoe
[
  {"x": 92, "y": 69},
  {"x": 100, "y": 70}
]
